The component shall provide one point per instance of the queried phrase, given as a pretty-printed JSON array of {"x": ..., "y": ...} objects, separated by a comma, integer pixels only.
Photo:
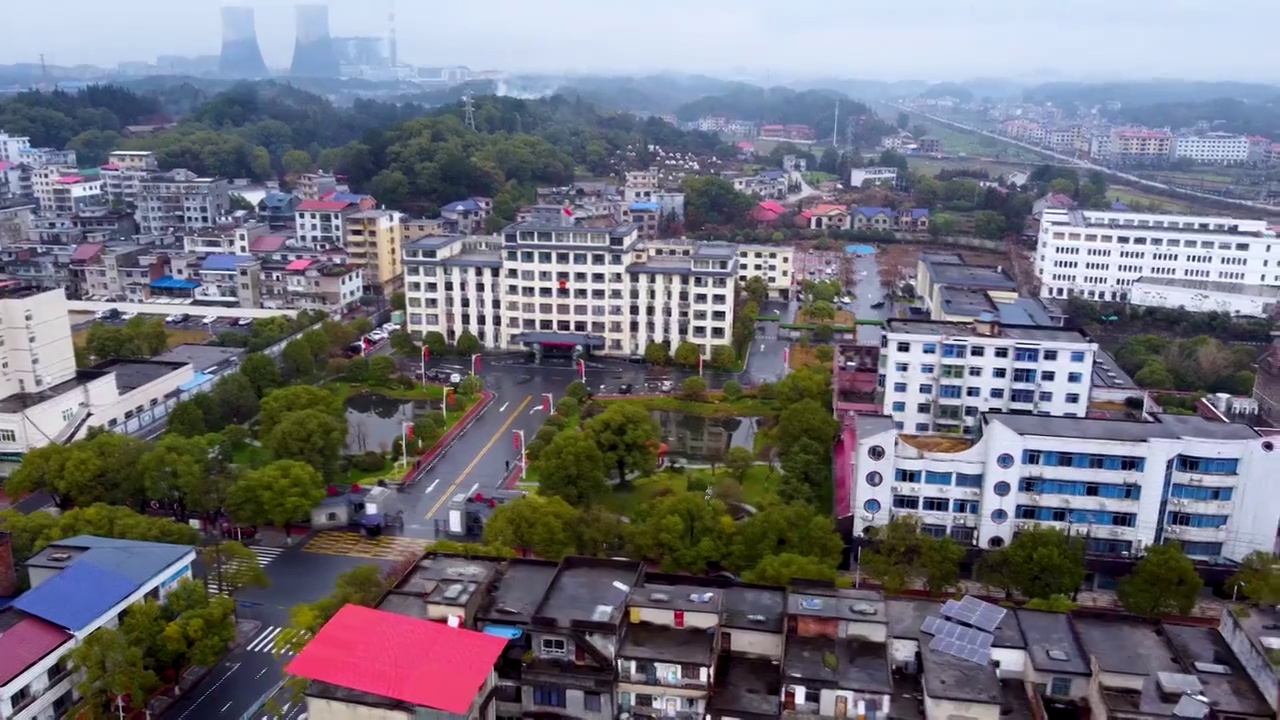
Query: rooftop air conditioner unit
[{"x": 1035, "y": 498}]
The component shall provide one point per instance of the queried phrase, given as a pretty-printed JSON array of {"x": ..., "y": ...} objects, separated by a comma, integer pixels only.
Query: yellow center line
[{"x": 448, "y": 493}]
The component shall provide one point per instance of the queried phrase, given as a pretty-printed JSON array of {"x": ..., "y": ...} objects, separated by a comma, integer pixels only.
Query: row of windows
[
  {"x": 1194, "y": 520},
  {"x": 1206, "y": 466},
  {"x": 956, "y": 350},
  {"x": 1077, "y": 517},
  {"x": 1198, "y": 492},
  {"x": 1087, "y": 461},
  {"x": 935, "y": 504},
  {"x": 1080, "y": 489},
  {"x": 1022, "y": 375},
  {"x": 939, "y": 478},
  {"x": 953, "y": 392}
]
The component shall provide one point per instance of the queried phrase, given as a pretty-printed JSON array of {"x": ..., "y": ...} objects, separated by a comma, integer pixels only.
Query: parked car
[
  {"x": 210, "y": 320},
  {"x": 108, "y": 314},
  {"x": 625, "y": 389},
  {"x": 177, "y": 318},
  {"x": 244, "y": 322},
  {"x": 389, "y": 328},
  {"x": 126, "y": 317},
  {"x": 666, "y": 386},
  {"x": 376, "y": 336}
]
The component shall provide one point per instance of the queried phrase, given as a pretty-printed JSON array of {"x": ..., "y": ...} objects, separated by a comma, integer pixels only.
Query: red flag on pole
[
  {"x": 568, "y": 211},
  {"x": 515, "y": 439},
  {"x": 475, "y": 364},
  {"x": 408, "y": 430},
  {"x": 786, "y": 356},
  {"x": 426, "y": 353},
  {"x": 546, "y": 403}
]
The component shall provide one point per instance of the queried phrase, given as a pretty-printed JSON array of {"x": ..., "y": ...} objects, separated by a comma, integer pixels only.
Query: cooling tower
[
  {"x": 241, "y": 56},
  {"x": 313, "y": 54}
]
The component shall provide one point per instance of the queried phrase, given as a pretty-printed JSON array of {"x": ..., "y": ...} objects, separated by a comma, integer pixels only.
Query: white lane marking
[
  {"x": 431, "y": 487},
  {"x": 264, "y": 640},
  {"x": 208, "y": 692},
  {"x": 504, "y": 407},
  {"x": 535, "y": 410},
  {"x": 473, "y": 489},
  {"x": 224, "y": 708}
]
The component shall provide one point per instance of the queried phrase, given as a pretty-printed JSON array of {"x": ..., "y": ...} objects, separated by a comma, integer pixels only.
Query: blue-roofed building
[
  {"x": 646, "y": 215},
  {"x": 467, "y": 217},
  {"x": 77, "y": 586},
  {"x": 224, "y": 263},
  {"x": 277, "y": 209},
  {"x": 366, "y": 202},
  {"x": 874, "y": 218},
  {"x": 913, "y": 219}
]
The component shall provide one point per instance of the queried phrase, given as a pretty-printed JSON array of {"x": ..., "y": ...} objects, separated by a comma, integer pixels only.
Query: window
[
  {"x": 1002, "y": 353},
  {"x": 1005, "y": 461},
  {"x": 1022, "y": 396},
  {"x": 997, "y": 394},
  {"x": 1048, "y": 376},
  {"x": 554, "y": 646},
  {"x": 1077, "y": 356},
  {"x": 952, "y": 350},
  {"x": 973, "y": 392},
  {"x": 924, "y": 408},
  {"x": 592, "y": 702},
  {"x": 949, "y": 392},
  {"x": 8, "y": 435},
  {"x": 872, "y": 506},
  {"x": 927, "y": 369},
  {"x": 1073, "y": 398},
  {"x": 899, "y": 387},
  {"x": 1195, "y": 521},
  {"x": 968, "y": 480},
  {"x": 926, "y": 389},
  {"x": 690, "y": 672},
  {"x": 899, "y": 406},
  {"x": 1060, "y": 687},
  {"x": 1045, "y": 396},
  {"x": 907, "y": 476},
  {"x": 932, "y": 504},
  {"x": 975, "y": 371},
  {"x": 1024, "y": 375},
  {"x": 874, "y": 479},
  {"x": 977, "y": 351},
  {"x": 965, "y": 507},
  {"x": 1202, "y": 549},
  {"x": 999, "y": 373},
  {"x": 1075, "y": 377},
  {"x": 930, "y": 349},
  {"x": 902, "y": 367},
  {"x": 1002, "y": 488},
  {"x": 1208, "y": 466},
  {"x": 922, "y": 427},
  {"x": 1050, "y": 355},
  {"x": 1026, "y": 355},
  {"x": 937, "y": 478},
  {"x": 875, "y": 452},
  {"x": 549, "y": 696},
  {"x": 906, "y": 502},
  {"x": 1197, "y": 492},
  {"x": 904, "y": 347}
]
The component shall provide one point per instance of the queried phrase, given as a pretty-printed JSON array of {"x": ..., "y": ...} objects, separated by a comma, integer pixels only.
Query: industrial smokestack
[
  {"x": 313, "y": 54},
  {"x": 241, "y": 56}
]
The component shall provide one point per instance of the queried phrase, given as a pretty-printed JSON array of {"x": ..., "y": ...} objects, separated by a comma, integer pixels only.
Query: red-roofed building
[
  {"x": 829, "y": 217},
  {"x": 24, "y": 642},
  {"x": 366, "y": 658},
  {"x": 767, "y": 211},
  {"x": 320, "y": 224}
]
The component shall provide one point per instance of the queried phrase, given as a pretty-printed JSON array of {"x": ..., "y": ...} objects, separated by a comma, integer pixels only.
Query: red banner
[
  {"x": 515, "y": 440},
  {"x": 426, "y": 353},
  {"x": 546, "y": 403}
]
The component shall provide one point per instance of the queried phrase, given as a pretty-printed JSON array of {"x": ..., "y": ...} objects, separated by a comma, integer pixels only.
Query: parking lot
[{"x": 195, "y": 321}]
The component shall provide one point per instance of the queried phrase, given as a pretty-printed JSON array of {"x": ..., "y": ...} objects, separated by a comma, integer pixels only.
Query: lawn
[
  {"x": 759, "y": 486},
  {"x": 716, "y": 406},
  {"x": 802, "y": 357},
  {"x": 843, "y": 317},
  {"x": 345, "y": 390},
  {"x": 1129, "y": 196},
  {"x": 817, "y": 177},
  {"x": 174, "y": 337}
]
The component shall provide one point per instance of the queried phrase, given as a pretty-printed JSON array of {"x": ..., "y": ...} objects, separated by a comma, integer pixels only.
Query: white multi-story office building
[
  {"x": 180, "y": 200},
  {"x": 124, "y": 173},
  {"x": 544, "y": 285},
  {"x": 774, "y": 263},
  {"x": 1212, "y": 148},
  {"x": 1100, "y": 255},
  {"x": 1121, "y": 485},
  {"x": 13, "y": 146},
  {"x": 938, "y": 377}
]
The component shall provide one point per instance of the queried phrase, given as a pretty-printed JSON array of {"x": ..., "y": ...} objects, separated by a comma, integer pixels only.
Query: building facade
[
  {"x": 181, "y": 200},
  {"x": 124, "y": 174},
  {"x": 1100, "y": 255},
  {"x": 373, "y": 243},
  {"x": 1212, "y": 148},
  {"x": 939, "y": 377}
]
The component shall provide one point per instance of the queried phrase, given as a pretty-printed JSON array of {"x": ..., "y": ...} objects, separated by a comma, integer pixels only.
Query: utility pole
[
  {"x": 44, "y": 70},
  {"x": 835, "y": 128},
  {"x": 470, "y": 118}
]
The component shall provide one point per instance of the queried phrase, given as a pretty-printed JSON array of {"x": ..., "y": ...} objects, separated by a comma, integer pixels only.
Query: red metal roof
[
  {"x": 322, "y": 205},
  {"x": 300, "y": 264},
  {"x": 24, "y": 643},
  {"x": 420, "y": 662},
  {"x": 85, "y": 252},
  {"x": 267, "y": 243}
]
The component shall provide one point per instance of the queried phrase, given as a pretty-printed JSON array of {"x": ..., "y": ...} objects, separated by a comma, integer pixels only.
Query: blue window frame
[
  {"x": 999, "y": 373},
  {"x": 1077, "y": 356},
  {"x": 973, "y": 392},
  {"x": 1022, "y": 396},
  {"x": 548, "y": 696},
  {"x": 1073, "y": 398},
  {"x": 906, "y": 502},
  {"x": 928, "y": 369},
  {"x": 907, "y": 476},
  {"x": 1077, "y": 488},
  {"x": 1075, "y": 377},
  {"x": 937, "y": 478},
  {"x": 899, "y": 406},
  {"x": 1207, "y": 466},
  {"x": 1026, "y": 355},
  {"x": 1002, "y": 489},
  {"x": 899, "y": 387},
  {"x": 952, "y": 350},
  {"x": 1050, "y": 355},
  {"x": 1200, "y": 492},
  {"x": 1024, "y": 375},
  {"x": 1101, "y": 546},
  {"x": 1084, "y": 461},
  {"x": 1194, "y": 520},
  {"x": 968, "y": 480},
  {"x": 968, "y": 507},
  {"x": 926, "y": 389},
  {"x": 922, "y": 427},
  {"x": 997, "y": 393},
  {"x": 902, "y": 367},
  {"x": 1202, "y": 549},
  {"x": 950, "y": 392},
  {"x": 1046, "y": 396},
  {"x": 935, "y": 504},
  {"x": 930, "y": 348},
  {"x": 1076, "y": 517},
  {"x": 937, "y": 531},
  {"x": 1048, "y": 376}
]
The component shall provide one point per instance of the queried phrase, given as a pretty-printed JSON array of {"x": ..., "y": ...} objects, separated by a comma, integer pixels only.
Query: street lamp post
[
  {"x": 475, "y": 364},
  {"x": 444, "y": 406},
  {"x": 524, "y": 465}
]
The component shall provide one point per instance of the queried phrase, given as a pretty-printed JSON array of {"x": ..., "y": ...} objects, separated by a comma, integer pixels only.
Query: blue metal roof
[
  {"x": 462, "y": 206},
  {"x": 224, "y": 263},
  {"x": 139, "y": 560},
  {"x": 278, "y": 200},
  {"x": 918, "y": 213},
  {"x": 353, "y": 198},
  {"x": 76, "y": 597},
  {"x": 872, "y": 211},
  {"x": 169, "y": 282},
  {"x": 645, "y": 207}
]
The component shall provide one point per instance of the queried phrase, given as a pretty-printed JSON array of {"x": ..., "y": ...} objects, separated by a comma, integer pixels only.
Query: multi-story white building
[
  {"x": 72, "y": 194},
  {"x": 1141, "y": 144},
  {"x": 321, "y": 224},
  {"x": 1216, "y": 148},
  {"x": 13, "y": 146},
  {"x": 1101, "y": 254},
  {"x": 1121, "y": 485},
  {"x": 859, "y": 177},
  {"x": 774, "y": 263},
  {"x": 124, "y": 173},
  {"x": 546, "y": 285},
  {"x": 181, "y": 200},
  {"x": 938, "y": 377}
]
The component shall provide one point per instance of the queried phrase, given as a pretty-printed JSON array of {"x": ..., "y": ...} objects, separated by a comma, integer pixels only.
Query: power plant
[
  {"x": 241, "y": 57},
  {"x": 313, "y": 52}
]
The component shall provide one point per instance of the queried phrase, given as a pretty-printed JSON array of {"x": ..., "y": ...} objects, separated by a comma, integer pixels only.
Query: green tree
[
  {"x": 687, "y": 354},
  {"x": 435, "y": 343},
  {"x": 805, "y": 384},
  {"x": 628, "y": 437},
  {"x": 262, "y": 372},
  {"x": 682, "y": 533},
  {"x": 989, "y": 224},
  {"x": 97, "y": 469},
  {"x": 381, "y": 369},
  {"x": 782, "y": 528},
  {"x": 310, "y": 436},
  {"x": 1257, "y": 579},
  {"x": 739, "y": 461},
  {"x": 1044, "y": 561},
  {"x": 577, "y": 390},
  {"x": 402, "y": 344},
  {"x": 756, "y": 289},
  {"x": 536, "y": 525},
  {"x": 234, "y": 566},
  {"x": 781, "y": 569},
  {"x": 732, "y": 390},
  {"x": 143, "y": 627},
  {"x": 357, "y": 370},
  {"x": 279, "y": 494},
  {"x": 572, "y": 468},
  {"x": 1155, "y": 374},
  {"x": 292, "y": 399},
  {"x": 694, "y": 389},
  {"x": 296, "y": 162},
  {"x": 568, "y": 407},
  {"x": 901, "y": 553},
  {"x": 397, "y": 301},
  {"x": 203, "y": 633},
  {"x": 31, "y": 533},
  {"x": 820, "y": 312},
  {"x": 657, "y": 354},
  {"x": 108, "y": 667},
  {"x": 723, "y": 357},
  {"x": 804, "y": 420},
  {"x": 467, "y": 344},
  {"x": 297, "y": 360},
  {"x": 1164, "y": 582},
  {"x": 174, "y": 468},
  {"x": 470, "y": 386},
  {"x": 187, "y": 420},
  {"x": 710, "y": 200},
  {"x": 234, "y": 397}
]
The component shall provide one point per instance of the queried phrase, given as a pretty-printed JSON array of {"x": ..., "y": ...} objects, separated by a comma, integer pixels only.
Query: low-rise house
[
  {"x": 828, "y": 217},
  {"x": 913, "y": 220},
  {"x": 468, "y": 216},
  {"x": 874, "y": 218},
  {"x": 667, "y": 658},
  {"x": 836, "y": 657},
  {"x": 278, "y": 210}
]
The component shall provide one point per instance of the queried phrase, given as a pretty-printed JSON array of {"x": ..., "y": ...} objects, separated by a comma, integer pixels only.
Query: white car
[
  {"x": 128, "y": 316},
  {"x": 454, "y": 378},
  {"x": 376, "y": 336},
  {"x": 176, "y": 318},
  {"x": 210, "y": 320},
  {"x": 390, "y": 328},
  {"x": 108, "y": 314}
]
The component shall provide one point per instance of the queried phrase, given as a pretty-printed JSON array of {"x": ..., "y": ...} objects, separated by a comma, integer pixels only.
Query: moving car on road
[
  {"x": 108, "y": 314},
  {"x": 244, "y": 322}
]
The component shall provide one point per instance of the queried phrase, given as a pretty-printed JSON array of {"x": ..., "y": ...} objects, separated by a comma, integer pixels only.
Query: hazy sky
[{"x": 902, "y": 39}]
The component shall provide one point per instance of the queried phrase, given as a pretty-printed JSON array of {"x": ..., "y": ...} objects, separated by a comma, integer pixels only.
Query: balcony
[{"x": 660, "y": 680}]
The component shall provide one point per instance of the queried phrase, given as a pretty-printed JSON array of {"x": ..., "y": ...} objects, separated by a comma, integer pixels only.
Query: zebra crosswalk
[
  {"x": 264, "y": 557},
  {"x": 272, "y": 637}
]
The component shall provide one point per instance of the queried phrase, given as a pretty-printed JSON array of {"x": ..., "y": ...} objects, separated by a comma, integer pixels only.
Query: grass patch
[
  {"x": 716, "y": 406},
  {"x": 1130, "y": 196},
  {"x": 173, "y": 337},
  {"x": 345, "y": 390},
  {"x": 802, "y": 357},
  {"x": 759, "y": 487},
  {"x": 817, "y": 177}
]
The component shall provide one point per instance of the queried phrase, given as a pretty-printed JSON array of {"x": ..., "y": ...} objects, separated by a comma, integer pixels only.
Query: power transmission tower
[{"x": 470, "y": 118}]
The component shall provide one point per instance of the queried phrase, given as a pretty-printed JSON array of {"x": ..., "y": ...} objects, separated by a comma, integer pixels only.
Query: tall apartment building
[
  {"x": 1120, "y": 485},
  {"x": 939, "y": 377},
  {"x": 322, "y": 225},
  {"x": 1216, "y": 148},
  {"x": 13, "y": 146},
  {"x": 373, "y": 243},
  {"x": 1100, "y": 254},
  {"x": 181, "y": 200},
  {"x": 315, "y": 186},
  {"x": 774, "y": 263},
  {"x": 1141, "y": 144},
  {"x": 73, "y": 194},
  {"x": 124, "y": 174},
  {"x": 562, "y": 285}
]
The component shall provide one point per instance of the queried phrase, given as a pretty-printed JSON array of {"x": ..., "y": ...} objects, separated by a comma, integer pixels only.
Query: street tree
[
  {"x": 756, "y": 289},
  {"x": 682, "y": 533},
  {"x": 820, "y": 311},
  {"x": 402, "y": 344},
  {"x": 901, "y": 554},
  {"x": 143, "y": 627},
  {"x": 262, "y": 372},
  {"x": 739, "y": 462},
  {"x": 279, "y": 494},
  {"x": 723, "y": 357},
  {"x": 203, "y": 633},
  {"x": 1045, "y": 561},
  {"x": 187, "y": 420},
  {"x": 782, "y": 528},
  {"x": 808, "y": 383},
  {"x": 534, "y": 525},
  {"x": 628, "y": 436},
  {"x": 381, "y": 369},
  {"x": 577, "y": 390},
  {"x": 687, "y": 354},
  {"x": 1256, "y": 579},
  {"x": 235, "y": 399},
  {"x": 109, "y": 667},
  {"x": 656, "y": 353},
  {"x": 806, "y": 469},
  {"x": 297, "y": 361},
  {"x": 292, "y": 399},
  {"x": 467, "y": 344},
  {"x": 568, "y": 407},
  {"x": 102, "y": 520},
  {"x": 435, "y": 342},
  {"x": 340, "y": 334},
  {"x": 234, "y": 566},
  {"x": 174, "y": 468},
  {"x": 572, "y": 468},
  {"x": 98, "y": 469},
  {"x": 940, "y": 563},
  {"x": 806, "y": 420},
  {"x": 363, "y": 585},
  {"x": 693, "y": 389},
  {"x": 1164, "y": 582},
  {"x": 783, "y": 568},
  {"x": 311, "y": 436},
  {"x": 600, "y": 533}
]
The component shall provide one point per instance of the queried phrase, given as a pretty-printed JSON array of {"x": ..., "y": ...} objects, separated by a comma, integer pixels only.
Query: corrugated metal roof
[
  {"x": 23, "y": 643},
  {"x": 77, "y": 596}
]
